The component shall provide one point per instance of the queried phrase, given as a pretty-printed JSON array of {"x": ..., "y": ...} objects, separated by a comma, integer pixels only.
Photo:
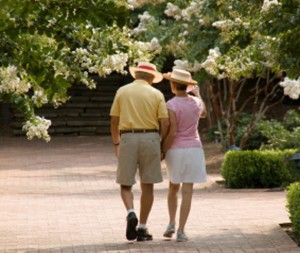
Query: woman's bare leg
[
  {"x": 186, "y": 201},
  {"x": 172, "y": 201}
]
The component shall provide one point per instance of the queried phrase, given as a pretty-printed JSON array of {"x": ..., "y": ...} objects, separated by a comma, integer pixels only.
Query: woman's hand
[{"x": 196, "y": 91}]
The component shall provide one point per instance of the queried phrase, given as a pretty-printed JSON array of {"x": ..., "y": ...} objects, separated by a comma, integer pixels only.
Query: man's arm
[
  {"x": 114, "y": 129},
  {"x": 164, "y": 125}
]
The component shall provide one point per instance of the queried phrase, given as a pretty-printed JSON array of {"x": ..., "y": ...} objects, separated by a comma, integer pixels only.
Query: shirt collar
[{"x": 140, "y": 81}]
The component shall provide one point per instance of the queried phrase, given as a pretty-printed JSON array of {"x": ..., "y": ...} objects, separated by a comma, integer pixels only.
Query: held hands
[{"x": 162, "y": 156}]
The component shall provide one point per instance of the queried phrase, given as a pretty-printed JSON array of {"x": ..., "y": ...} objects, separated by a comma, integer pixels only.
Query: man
[{"x": 139, "y": 121}]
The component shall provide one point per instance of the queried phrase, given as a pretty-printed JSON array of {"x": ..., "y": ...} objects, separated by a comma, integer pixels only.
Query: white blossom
[
  {"x": 193, "y": 9},
  {"x": 39, "y": 97},
  {"x": 267, "y": 49},
  {"x": 145, "y": 19},
  {"x": 197, "y": 66},
  {"x": 291, "y": 87},
  {"x": 115, "y": 62},
  {"x": 59, "y": 99},
  {"x": 181, "y": 64},
  {"x": 81, "y": 51},
  {"x": 214, "y": 53},
  {"x": 185, "y": 65},
  {"x": 268, "y": 4},
  {"x": 87, "y": 82},
  {"x": 173, "y": 11},
  {"x": 51, "y": 22},
  {"x": 210, "y": 64},
  {"x": 83, "y": 57},
  {"x": 140, "y": 3},
  {"x": 228, "y": 24},
  {"x": 37, "y": 127},
  {"x": 139, "y": 51},
  {"x": 145, "y": 16},
  {"x": 221, "y": 24},
  {"x": 155, "y": 46},
  {"x": 184, "y": 33},
  {"x": 61, "y": 69},
  {"x": 11, "y": 82}
]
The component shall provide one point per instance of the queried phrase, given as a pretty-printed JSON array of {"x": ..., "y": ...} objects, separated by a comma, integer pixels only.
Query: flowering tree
[
  {"x": 227, "y": 44},
  {"x": 47, "y": 46}
]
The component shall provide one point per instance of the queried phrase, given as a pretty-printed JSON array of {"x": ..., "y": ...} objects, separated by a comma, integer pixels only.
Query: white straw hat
[
  {"x": 180, "y": 76},
  {"x": 148, "y": 68}
]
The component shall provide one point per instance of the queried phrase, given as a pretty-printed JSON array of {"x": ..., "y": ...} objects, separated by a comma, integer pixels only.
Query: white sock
[
  {"x": 143, "y": 226},
  {"x": 130, "y": 211}
]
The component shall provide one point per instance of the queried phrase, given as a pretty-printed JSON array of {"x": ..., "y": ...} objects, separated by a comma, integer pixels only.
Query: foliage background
[{"x": 229, "y": 46}]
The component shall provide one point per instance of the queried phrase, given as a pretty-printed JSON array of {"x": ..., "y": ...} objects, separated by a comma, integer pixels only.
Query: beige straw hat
[
  {"x": 180, "y": 76},
  {"x": 148, "y": 68}
]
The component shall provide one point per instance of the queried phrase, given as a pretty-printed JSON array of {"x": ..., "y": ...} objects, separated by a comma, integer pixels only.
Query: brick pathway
[{"x": 60, "y": 197}]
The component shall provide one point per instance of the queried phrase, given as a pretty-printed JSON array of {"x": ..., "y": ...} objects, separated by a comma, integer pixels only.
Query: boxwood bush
[
  {"x": 256, "y": 169},
  {"x": 293, "y": 205}
]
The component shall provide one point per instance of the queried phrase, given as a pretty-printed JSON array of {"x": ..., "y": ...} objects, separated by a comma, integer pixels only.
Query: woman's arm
[
  {"x": 204, "y": 112},
  {"x": 196, "y": 92}
]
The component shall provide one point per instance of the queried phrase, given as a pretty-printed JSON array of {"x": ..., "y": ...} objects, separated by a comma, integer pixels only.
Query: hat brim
[
  {"x": 158, "y": 77},
  {"x": 168, "y": 77}
]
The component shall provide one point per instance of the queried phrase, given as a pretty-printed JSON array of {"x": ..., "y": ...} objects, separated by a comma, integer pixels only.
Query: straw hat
[
  {"x": 148, "y": 68},
  {"x": 180, "y": 76}
]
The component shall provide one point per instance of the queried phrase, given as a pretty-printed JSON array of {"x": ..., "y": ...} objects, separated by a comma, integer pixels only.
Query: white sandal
[
  {"x": 169, "y": 231},
  {"x": 181, "y": 237}
]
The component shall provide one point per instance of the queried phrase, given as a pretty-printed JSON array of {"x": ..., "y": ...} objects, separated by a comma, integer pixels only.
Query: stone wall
[{"x": 87, "y": 111}]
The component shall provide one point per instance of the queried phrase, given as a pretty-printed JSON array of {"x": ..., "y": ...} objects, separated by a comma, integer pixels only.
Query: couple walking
[{"x": 145, "y": 130}]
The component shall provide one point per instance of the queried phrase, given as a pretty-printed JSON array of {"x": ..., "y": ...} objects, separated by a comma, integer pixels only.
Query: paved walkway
[{"x": 60, "y": 197}]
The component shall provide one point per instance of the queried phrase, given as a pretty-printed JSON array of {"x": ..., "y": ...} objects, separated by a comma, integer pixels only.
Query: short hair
[
  {"x": 179, "y": 86},
  {"x": 143, "y": 75}
]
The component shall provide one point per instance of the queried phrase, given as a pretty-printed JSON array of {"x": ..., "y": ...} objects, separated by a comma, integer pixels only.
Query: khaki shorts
[{"x": 139, "y": 152}]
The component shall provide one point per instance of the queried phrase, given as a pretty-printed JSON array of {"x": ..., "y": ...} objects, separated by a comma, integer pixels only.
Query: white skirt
[{"x": 186, "y": 165}]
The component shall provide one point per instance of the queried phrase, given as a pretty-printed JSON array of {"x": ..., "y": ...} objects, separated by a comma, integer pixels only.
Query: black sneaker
[
  {"x": 132, "y": 222},
  {"x": 143, "y": 235}
]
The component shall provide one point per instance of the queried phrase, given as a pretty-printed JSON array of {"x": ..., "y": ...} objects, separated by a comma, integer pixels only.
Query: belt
[{"x": 138, "y": 131}]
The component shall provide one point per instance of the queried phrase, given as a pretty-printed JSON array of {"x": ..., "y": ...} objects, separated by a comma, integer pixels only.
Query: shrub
[
  {"x": 260, "y": 134},
  {"x": 267, "y": 134},
  {"x": 291, "y": 120},
  {"x": 293, "y": 205},
  {"x": 272, "y": 134},
  {"x": 256, "y": 169},
  {"x": 294, "y": 171}
]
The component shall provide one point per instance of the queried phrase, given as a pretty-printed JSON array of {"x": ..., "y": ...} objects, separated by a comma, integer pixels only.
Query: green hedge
[
  {"x": 256, "y": 169},
  {"x": 293, "y": 205}
]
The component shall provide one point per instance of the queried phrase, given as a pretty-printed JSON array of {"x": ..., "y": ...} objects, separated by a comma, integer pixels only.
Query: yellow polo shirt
[{"x": 139, "y": 106}]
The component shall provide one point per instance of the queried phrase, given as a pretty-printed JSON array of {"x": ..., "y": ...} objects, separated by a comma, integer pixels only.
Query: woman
[{"x": 182, "y": 146}]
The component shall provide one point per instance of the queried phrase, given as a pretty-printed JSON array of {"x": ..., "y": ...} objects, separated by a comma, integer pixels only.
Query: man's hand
[
  {"x": 162, "y": 156},
  {"x": 117, "y": 150}
]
